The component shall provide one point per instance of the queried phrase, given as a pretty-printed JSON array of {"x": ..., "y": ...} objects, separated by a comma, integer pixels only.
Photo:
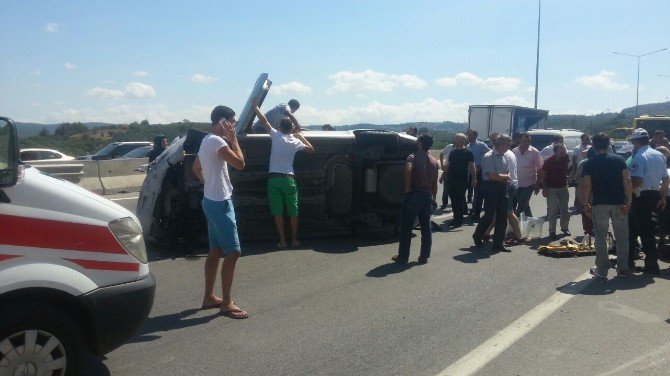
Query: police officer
[{"x": 649, "y": 175}]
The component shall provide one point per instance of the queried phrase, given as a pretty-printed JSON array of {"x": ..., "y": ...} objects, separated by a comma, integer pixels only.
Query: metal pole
[
  {"x": 637, "y": 95},
  {"x": 537, "y": 59}
]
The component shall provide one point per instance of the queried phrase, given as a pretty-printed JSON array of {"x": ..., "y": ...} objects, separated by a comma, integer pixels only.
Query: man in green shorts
[{"x": 282, "y": 188}]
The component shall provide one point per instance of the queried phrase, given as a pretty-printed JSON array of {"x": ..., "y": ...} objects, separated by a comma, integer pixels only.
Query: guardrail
[{"x": 102, "y": 177}]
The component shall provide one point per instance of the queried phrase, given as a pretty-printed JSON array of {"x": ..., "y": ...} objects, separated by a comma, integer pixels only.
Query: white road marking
[
  {"x": 659, "y": 357},
  {"x": 494, "y": 346},
  {"x": 124, "y": 198}
]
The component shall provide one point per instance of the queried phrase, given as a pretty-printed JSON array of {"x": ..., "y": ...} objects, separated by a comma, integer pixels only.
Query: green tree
[{"x": 69, "y": 129}]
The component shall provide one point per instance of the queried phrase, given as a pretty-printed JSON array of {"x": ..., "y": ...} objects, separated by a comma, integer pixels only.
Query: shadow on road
[
  {"x": 473, "y": 255},
  {"x": 609, "y": 286},
  {"x": 160, "y": 251},
  {"x": 390, "y": 268},
  {"x": 172, "y": 321},
  {"x": 95, "y": 366}
]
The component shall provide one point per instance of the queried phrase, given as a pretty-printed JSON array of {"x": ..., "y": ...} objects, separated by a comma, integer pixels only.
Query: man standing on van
[
  {"x": 279, "y": 112},
  {"x": 282, "y": 188},
  {"x": 217, "y": 150}
]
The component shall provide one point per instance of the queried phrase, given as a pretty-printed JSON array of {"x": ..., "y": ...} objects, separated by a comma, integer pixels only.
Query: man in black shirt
[
  {"x": 460, "y": 166},
  {"x": 607, "y": 182}
]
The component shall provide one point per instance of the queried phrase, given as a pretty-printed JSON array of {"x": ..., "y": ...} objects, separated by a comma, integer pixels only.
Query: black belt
[{"x": 280, "y": 175}]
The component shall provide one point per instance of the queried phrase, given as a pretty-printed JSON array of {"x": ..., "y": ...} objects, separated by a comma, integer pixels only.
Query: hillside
[{"x": 79, "y": 139}]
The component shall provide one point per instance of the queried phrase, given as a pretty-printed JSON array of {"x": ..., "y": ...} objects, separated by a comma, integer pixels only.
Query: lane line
[
  {"x": 124, "y": 198},
  {"x": 494, "y": 346}
]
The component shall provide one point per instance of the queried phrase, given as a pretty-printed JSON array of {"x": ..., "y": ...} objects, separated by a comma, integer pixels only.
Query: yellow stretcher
[{"x": 567, "y": 247}]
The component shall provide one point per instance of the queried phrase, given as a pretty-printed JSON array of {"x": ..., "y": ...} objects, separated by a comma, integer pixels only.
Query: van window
[{"x": 540, "y": 141}]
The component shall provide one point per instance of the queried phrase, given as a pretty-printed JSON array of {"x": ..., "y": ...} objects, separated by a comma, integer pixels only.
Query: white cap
[{"x": 639, "y": 133}]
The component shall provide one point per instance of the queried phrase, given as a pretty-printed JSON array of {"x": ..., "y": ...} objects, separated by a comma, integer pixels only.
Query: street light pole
[
  {"x": 637, "y": 95},
  {"x": 537, "y": 59}
]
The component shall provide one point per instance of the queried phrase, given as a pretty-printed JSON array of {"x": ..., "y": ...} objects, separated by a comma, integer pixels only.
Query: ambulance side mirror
[{"x": 9, "y": 153}]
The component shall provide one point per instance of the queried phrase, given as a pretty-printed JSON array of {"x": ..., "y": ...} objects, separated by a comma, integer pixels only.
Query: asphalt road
[{"x": 341, "y": 307}]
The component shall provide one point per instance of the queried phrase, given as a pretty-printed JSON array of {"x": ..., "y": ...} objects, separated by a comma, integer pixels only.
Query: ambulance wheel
[{"x": 39, "y": 340}]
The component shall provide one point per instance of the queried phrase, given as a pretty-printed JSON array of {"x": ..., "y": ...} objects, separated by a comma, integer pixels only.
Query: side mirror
[{"x": 9, "y": 153}]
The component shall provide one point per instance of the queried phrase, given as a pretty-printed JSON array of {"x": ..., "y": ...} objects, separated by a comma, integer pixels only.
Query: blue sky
[{"x": 345, "y": 61}]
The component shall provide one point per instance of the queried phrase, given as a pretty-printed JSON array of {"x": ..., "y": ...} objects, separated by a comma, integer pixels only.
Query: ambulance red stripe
[
  {"x": 7, "y": 257},
  {"x": 44, "y": 233},
  {"x": 107, "y": 265}
]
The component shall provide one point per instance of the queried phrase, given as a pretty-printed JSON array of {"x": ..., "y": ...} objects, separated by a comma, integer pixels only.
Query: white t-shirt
[
  {"x": 547, "y": 152},
  {"x": 577, "y": 152},
  {"x": 214, "y": 169},
  {"x": 511, "y": 167},
  {"x": 284, "y": 147}
]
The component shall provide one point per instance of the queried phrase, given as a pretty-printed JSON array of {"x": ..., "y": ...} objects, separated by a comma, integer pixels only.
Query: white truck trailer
[{"x": 486, "y": 119}]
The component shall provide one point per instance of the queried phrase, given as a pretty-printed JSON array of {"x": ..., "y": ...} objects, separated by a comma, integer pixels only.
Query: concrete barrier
[
  {"x": 91, "y": 178},
  {"x": 118, "y": 176},
  {"x": 67, "y": 170}
]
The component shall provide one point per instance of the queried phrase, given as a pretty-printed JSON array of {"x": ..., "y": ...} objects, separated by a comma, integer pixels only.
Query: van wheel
[{"x": 40, "y": 340}]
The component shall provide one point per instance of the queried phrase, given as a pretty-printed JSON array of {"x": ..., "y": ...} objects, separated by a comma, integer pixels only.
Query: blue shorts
[{"x": 221, "y": 225}]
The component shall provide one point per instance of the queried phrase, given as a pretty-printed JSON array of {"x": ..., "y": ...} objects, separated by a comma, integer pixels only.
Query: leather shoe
[
  {"x": 500, "y": 249},
  {"x": 478, "y": 241}
]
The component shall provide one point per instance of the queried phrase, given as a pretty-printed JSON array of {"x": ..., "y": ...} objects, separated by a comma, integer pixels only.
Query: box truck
[{"x": 486, "y": 119}]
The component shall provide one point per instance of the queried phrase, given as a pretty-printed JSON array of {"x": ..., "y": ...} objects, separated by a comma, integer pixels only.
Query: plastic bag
[{"x": 531, "y": 227}]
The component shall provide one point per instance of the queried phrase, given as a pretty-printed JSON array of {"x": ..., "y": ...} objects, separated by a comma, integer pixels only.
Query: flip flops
[
  {"x": 211, "y": 305},
  {"x": 235, "y": 313}
]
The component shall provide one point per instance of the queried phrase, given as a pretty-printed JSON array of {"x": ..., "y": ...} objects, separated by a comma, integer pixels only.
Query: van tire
[{"x": 26, "y": 318}]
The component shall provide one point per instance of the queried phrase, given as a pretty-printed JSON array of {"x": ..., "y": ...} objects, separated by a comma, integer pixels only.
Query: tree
[
  {"x": 44, "y": 132},
  {"x": 144, "y": 122},
  {"x": 69, "y": 129}
]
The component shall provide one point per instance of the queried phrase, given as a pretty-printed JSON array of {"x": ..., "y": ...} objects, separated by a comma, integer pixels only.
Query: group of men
[
  {"x": 221, "y": 148},
  {"x": 504, "y": 178}
]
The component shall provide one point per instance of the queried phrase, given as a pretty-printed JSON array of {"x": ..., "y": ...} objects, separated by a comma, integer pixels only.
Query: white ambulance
[{"x": 74, "y": 275}]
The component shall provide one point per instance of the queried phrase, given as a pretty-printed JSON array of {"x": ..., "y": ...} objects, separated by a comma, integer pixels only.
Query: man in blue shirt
[
  {"x": 496, "y": 178},
  {"x": 606, "y": 181},
  {"x": 649, "y": 175},
  {"x": 478, "y": 149}
]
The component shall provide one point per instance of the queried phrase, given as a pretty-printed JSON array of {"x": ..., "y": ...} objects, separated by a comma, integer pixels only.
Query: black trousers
[
  {"x": 477, "y": 202},
  {"x": 445, "y": 192},
  {"x": 640, "y": 217},
  {"x": 495, "y": 207},
  {"x": 458, "y": 204}
]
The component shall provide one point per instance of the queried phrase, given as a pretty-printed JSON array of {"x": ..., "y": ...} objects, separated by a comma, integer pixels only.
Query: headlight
[{"x": 129, "y": 234}]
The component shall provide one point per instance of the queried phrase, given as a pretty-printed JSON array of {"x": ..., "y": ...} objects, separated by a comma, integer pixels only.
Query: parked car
[
  {"x": 623, "y": 148},
  {"x": 82, "y": 284},
  {"x": 352, "y": 184},
  {"x": 43, "y": 155},
  {"x": 115, "y": 150},
  {"x": 141, "y": 152}
]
